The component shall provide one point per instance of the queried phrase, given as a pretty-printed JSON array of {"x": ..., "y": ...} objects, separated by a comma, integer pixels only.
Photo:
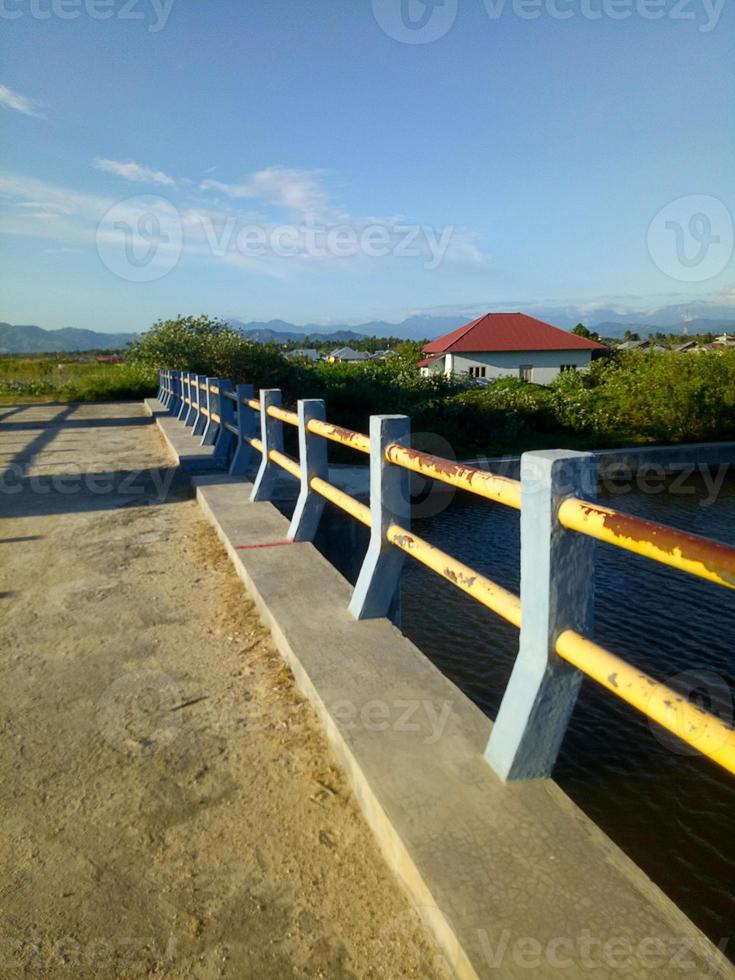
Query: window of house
[
  {"x": 568, "y": 367},
  {"x": 477, "y": 372},
  {"x": 525, "y": 372}
]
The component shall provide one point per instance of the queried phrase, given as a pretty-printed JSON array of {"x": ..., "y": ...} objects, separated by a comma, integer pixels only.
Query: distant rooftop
[{"x": 509, "y": 332}]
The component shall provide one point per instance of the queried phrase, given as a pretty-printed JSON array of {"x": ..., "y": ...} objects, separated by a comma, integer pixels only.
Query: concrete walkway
[{"x": 169, "y": 805}]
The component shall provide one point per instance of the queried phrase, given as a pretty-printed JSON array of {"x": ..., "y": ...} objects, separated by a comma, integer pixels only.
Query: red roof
[
  {"x": 509, "y": 331},
  {"x": 427, "y": 360}
]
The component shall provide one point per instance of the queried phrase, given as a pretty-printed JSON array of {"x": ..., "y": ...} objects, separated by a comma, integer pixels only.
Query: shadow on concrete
[
  {"x": 28, "y": 537},
  {"x": 74, "y": 493},
  {"x": 12, "y": 410},
  {"x": 52, "y": 424},
  {"x": 49, "y": 431}
]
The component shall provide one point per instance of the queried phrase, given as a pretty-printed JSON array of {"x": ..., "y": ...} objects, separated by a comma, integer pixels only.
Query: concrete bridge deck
[
  {"x": 169, "y": 805},
  {"x": 512, "y": 878}
]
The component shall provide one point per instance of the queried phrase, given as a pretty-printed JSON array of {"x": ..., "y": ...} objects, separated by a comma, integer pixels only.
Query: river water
[{"x": 669, "y": 809}]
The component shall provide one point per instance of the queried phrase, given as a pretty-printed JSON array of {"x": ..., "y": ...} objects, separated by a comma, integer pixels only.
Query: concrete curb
[
  {"x": 189, "y": 454},
  {"x": 512, "y": 879}
]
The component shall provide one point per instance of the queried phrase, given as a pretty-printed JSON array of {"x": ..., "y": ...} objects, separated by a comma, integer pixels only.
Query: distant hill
[
  {"x": 28, "y": 339},
  {"x": 614, "y": 329},
  {"x": 704, "y": 318},
  {"x": 280, "y": 332},
  {"x": 413, "y": 328}
]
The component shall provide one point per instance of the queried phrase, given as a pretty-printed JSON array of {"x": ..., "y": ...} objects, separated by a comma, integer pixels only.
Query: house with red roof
[{"x": 508, "y": 345}]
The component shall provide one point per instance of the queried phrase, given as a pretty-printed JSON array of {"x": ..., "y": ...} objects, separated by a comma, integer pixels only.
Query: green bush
[
  {"x": 211, "y": 347},
  {"x": 51, "y": 380},
  {"x": 112, "y": 382},
  {"x": 622, "y": 399}
]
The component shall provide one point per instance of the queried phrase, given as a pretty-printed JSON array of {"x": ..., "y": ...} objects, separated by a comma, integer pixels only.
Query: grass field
[{"x": 56, "y": 378}]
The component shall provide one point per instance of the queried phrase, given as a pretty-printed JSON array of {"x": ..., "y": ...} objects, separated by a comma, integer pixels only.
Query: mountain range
[
  {"x": 35, "y": 340},
  {"x": 700, "y": 317}
]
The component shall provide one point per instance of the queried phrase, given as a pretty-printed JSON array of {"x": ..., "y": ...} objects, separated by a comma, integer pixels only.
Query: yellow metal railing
[{"x": 710, "y": 560}]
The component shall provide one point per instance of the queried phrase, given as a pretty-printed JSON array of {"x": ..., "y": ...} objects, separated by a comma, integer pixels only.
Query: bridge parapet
[{"x": 559, "y": 522}]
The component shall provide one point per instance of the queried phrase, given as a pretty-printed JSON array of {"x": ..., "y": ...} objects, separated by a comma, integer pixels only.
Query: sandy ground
[{"x": 169, "y": 806}]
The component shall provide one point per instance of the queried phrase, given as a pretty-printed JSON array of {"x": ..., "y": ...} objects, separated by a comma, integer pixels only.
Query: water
[{"x": 668, "y": 808}]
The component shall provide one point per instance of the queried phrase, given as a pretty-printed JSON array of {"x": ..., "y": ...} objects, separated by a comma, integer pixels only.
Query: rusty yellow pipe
[
  {"x": 255, "y": 443},
  {"x": 346, "y": 437},
  {"x": 690, "y": 553},
  {"x": 291, "y": 418},
  {"x": 286, "y": 463},
  {"x": 214, "y": 389},
  {"x": 343, "y": 500},
  {"x": 495, "y": 597},
  {"x": 480, "y": 482},
  {"x": 252, "y": 403},
  {"x": 698, "y": 728}
]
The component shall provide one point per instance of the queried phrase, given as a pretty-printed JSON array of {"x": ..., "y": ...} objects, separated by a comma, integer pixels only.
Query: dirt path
[{"x": 169, "y": 807}]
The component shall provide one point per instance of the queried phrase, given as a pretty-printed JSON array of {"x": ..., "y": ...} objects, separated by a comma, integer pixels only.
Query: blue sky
[{"x": 292, "y": 159}]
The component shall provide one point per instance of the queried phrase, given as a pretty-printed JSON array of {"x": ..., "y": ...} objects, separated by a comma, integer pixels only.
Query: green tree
[
  {"x": 582, "y": 331},
  {"x": 208, "y": 345}
]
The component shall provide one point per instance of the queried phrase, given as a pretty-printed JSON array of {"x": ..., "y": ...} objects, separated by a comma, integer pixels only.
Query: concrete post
[
  {"x": 557, "y": 593},
  {"x": 226, "y": 411},
  {"x": 246, "y": 429},
  {"x": 184, "y": 409},
  {"x": 271, "y": 435},
  {"x": 201, "y": 419},
  {"x": 211, "y": 428},
  {"x": 377, "y": 592},
  {"x": 313, "y": 457},
  {"x": 175, "y": 403},
  {"x": 190, "y": 417}
]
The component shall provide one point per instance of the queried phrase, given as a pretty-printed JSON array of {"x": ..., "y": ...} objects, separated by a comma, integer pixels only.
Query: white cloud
[
  {"x": 136, "y": 172},
  {"x": 12, "y": 100},
  {"x": 235, "y": 237},
  {"x": 298, "y": 190}
]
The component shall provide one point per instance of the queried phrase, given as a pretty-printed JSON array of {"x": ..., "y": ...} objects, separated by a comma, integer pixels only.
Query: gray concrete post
[
  {"x": 175, "y": 403},
  {"x": 557, "y": 593},
  {"x": 271, "y": 435},
  {"x": 226, "y": 411},
  {"x": 190, "y": 417},
  {"x": 201, "y": 419},
  {"x": 184, "y": 409},
  {"x": 211, "y": 428},
  {"x": 314, "y": 462},
  {"x": 246, "y": 429},
  {"x": 377, "y": 592}
]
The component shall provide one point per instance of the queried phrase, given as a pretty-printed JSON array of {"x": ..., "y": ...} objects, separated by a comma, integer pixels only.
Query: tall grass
[{"x": 48, "y": 379}]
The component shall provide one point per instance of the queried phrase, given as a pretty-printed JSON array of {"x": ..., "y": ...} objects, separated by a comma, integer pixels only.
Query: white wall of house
[
  {"x": 545, "y": 364},
  {"x": 436, "y": 367}
]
